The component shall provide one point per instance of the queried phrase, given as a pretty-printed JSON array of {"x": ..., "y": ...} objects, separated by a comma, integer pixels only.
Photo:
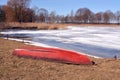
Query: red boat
[{"x": 53, "y": 54}]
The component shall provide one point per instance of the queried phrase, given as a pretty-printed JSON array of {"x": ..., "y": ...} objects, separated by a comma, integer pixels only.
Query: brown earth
[{"x": 18, "y": 68}]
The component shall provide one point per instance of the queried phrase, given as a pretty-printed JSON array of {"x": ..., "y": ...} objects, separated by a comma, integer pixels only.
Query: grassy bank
[
  {"x": 18, "y": 68},
  {"x": 40, "y": 26},
  {"x": 45, "y": 26}
]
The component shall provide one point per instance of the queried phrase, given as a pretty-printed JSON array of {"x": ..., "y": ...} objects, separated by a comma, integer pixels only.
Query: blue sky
[{"x": 64, "y": 7}]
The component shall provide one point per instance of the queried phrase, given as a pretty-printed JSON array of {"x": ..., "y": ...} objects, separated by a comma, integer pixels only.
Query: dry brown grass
[
  {"x": 18, "y": 68},
  {"x": 54, "y": 26},
  {"x": 42, "y": 26}
]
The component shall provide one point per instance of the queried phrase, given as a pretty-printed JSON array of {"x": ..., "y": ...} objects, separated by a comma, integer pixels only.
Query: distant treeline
[{"x": 19, "y": 11}]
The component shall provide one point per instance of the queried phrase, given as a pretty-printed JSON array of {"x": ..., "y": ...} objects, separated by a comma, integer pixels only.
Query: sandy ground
[{"x": 18, "y": 68}]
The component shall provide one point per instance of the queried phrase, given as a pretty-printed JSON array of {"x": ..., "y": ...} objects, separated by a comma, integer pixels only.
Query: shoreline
[
  {"x": 48, "y": 26},
  {"x": 102, "y": 49},
  {"x": 31, "y": 43}
]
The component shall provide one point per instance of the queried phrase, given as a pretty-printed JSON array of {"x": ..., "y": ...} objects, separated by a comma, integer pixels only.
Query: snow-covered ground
[{"x": 96, "y": 41}]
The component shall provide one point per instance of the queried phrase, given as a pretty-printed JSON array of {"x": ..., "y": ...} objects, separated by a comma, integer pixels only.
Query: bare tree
[
  {"x": 71, "y": 16},
  {"x": 42, "y": 15},
  {"x": 9, "y": 14},
  {"x": 84, "y": 15},
  {"x": 111, "y": 16},
  {"x": 99, "y": 17},
  {"x": 117, "y": 14},
  {"x": 58, "y": 19},
  {"x": 17, "y": 8},
  {"x": 29, "y": 15},
  {"x": 36, "y": 14},
  {"x": 106, "y": 18},
  {"x": 62, "y": 18},
  {"x": 67, "y": 19},
  {"x": 52, "y": 17},
  {"x": 2, "y": 15}
]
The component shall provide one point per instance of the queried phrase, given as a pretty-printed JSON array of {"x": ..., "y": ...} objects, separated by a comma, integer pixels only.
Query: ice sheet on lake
[{"x": 96, "y": 41}]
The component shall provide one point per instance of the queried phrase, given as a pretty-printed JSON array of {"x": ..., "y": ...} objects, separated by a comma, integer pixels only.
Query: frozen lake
[{"x": 95, "y": 41}]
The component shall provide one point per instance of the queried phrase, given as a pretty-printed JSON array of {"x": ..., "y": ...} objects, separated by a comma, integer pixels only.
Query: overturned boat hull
[{"x": 53, "y": 54}]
